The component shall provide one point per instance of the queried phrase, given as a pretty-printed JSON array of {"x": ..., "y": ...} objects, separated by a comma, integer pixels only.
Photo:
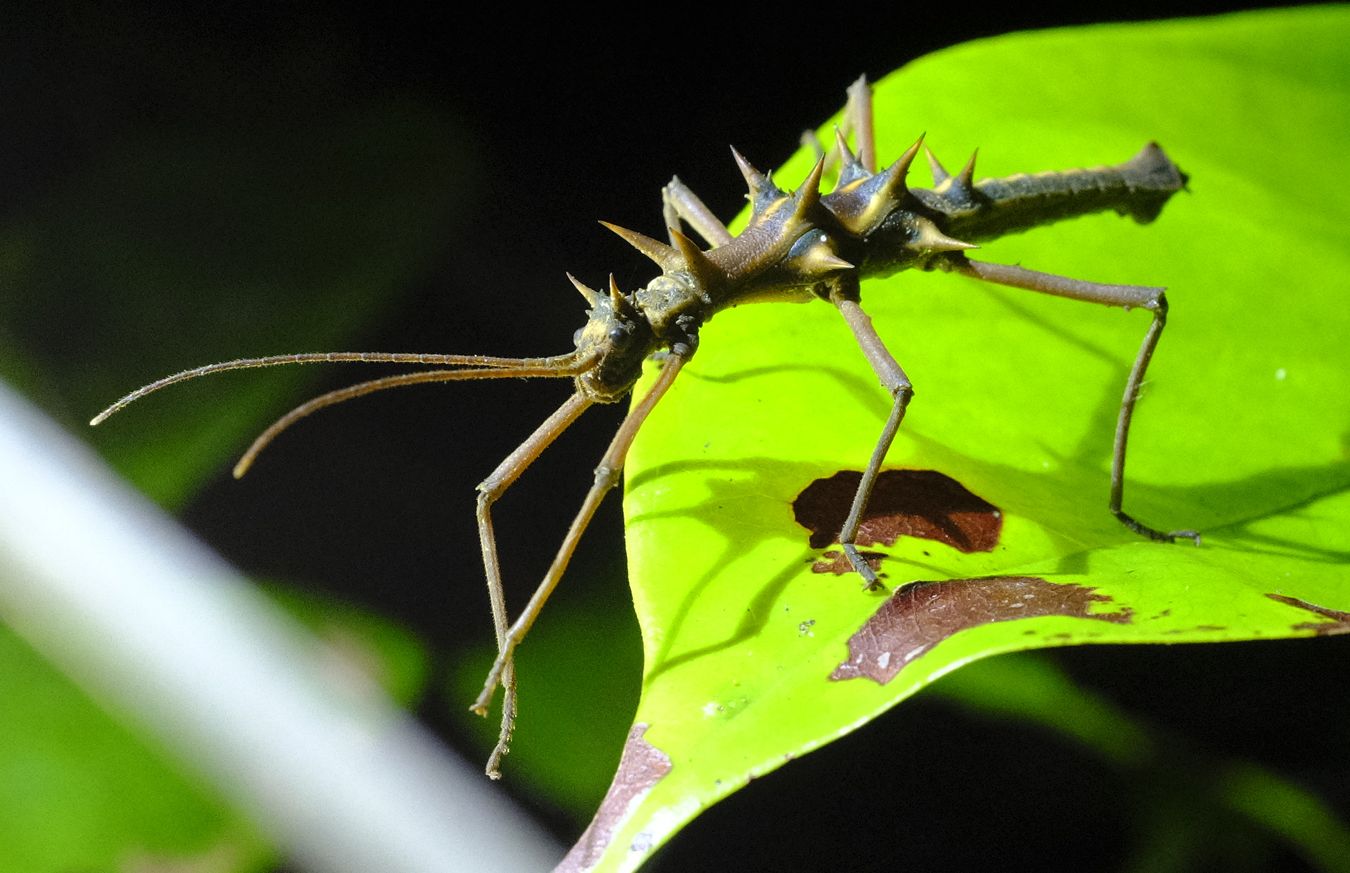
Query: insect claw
[
  {"x": 841, "y": 143},
  {"x": 850, "y": 168},
  {"x": 940, "y": 173},
  {"x": 830, "y": 262},
  {"x": 589, "y": 293},
  {"x": 699, "y": 265},
  {"x": 965, "y": 180},
  {"x": 808, "y": 193},
  {"x": 959, "y": 190},
  {"x": 930, "y": 239},
  {"x": 817, "y": 260},
  {"x": 893, "y": 177},
  {"x": 762, "y": 189},
  {"x": 617, "y": 300},
  {"x": 665, "y": 257}
]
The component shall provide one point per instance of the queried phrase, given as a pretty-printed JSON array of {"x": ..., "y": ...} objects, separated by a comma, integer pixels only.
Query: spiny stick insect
[{"x": 796, "y": 248}]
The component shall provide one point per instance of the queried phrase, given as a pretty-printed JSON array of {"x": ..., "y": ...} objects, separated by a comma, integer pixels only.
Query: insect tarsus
[{"x": 797, "y": 247}]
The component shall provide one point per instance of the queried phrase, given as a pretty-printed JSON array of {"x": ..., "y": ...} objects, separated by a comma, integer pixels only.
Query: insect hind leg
[
  {"x": 1125, "y": 296},
  {"x": 1132, "y": 386}
]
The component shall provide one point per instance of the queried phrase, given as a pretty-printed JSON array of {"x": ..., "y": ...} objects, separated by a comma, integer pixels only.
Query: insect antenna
[
  {"x": 561, "y": 366},
  {"x": 474, "y": 367},
  {"x": 435, "y": 360}
]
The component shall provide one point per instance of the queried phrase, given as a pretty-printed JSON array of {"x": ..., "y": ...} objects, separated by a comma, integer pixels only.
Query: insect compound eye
[{"x": 618, "y": 335}]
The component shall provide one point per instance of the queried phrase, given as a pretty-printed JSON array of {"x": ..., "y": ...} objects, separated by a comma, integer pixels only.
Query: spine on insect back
[{"x": 991, "y": 208}]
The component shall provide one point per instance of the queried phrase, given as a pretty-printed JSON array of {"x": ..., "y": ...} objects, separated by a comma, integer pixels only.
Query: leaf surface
[{"x": 1241, "y": 432}]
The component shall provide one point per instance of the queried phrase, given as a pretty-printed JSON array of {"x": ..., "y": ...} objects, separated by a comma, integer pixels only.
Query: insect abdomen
[{"x": 1138, "y": 188}]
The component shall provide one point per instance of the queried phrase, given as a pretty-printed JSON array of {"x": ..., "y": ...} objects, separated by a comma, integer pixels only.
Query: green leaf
[
  {"x": 83, "y": 792},
  {"x": 1241, "y": 432}
]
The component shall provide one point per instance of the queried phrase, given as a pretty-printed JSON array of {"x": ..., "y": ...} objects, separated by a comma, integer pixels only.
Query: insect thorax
[{"x": 804, "y": 245}]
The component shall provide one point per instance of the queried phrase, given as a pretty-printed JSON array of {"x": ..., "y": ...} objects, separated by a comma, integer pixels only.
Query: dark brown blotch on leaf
[
  {"x": 641, "y": 766},
  {"x": 922, "y": 614},
  {"x": 1339, "y": 621},
  {"x": 915, "y": 503}
]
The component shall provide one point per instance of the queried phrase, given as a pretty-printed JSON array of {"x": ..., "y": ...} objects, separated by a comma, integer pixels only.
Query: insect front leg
[
  {"x": 606, "y": 477},
  {"x": 491, "y": 488},
  {"x": 894, "y": 380},
  {"x": 1126, "y": 296}
]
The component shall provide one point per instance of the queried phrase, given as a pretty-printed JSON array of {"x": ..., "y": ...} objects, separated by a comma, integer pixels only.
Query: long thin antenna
[
  {"x": 434, "y": 360},
  {"x": 563, "y": 367}
]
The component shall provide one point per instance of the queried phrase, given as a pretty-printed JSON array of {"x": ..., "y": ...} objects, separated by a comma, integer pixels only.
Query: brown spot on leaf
[
  {"x": 641, "y": 766},
  {"x": 916, "y": 503},
  {"x": 922, "y": 614},
  {"x": 1339, "y": 623}
]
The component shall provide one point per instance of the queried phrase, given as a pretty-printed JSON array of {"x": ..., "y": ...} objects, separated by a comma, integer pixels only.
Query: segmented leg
[
  {"x": 858, "y": 114},
  {"x": 857, "y": 119},
  {"x": 894, "y": 380},
  {"x": 606, "y": 477},
  {"x": 489, "y": 490},
  {"x": 1126, "y": 296},
  {"x": 679, "y": 202}
]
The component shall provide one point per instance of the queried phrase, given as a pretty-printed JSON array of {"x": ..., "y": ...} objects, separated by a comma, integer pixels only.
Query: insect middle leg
[
  {"x": 894, "y": 380},
  {"x": 1126, "y": 296}
]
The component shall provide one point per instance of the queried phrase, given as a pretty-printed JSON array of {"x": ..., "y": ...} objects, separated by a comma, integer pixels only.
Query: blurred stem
[{"x": 161, "y": 630}]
